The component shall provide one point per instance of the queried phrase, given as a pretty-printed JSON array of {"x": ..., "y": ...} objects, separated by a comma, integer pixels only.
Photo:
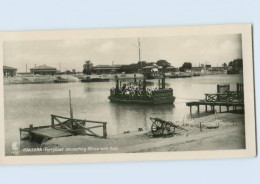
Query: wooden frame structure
[
  {"x": 223, "y": 97},
  {"x": 76, "y": 126},
  {"x": 63, "y": 127}
]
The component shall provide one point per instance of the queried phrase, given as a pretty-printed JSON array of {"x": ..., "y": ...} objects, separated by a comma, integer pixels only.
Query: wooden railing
[
  {"x": 231, "y": 96},
  {"x": 77, "y": 126}
]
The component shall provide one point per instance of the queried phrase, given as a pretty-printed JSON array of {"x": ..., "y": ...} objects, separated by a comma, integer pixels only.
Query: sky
[{"x": 71, "y": 54}]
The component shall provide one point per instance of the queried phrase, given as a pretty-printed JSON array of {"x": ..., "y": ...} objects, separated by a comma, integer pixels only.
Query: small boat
[
  {"x": 180, "y": 75},
  {"x": 61, "y": 80},
  {"x": 94, "y": 79}
]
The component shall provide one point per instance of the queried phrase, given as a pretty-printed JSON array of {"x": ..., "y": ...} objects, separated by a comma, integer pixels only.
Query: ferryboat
[{"x": 137, "y": 93}]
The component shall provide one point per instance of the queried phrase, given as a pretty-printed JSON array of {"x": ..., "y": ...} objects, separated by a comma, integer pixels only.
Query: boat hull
[
  {"x": 148, "y": 101},
  {"x": 94, "y": 80}
]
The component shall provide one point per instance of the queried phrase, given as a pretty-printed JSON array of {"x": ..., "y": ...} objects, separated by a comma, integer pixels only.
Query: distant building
[
  {"x": 198, "y": 70},
  {"x": 218, "y": 68},
  {"x": 9, "y": 71},
  {"x": 106, "y": 69},
  {"x": 24, "y": 74},
  {"x": 208, "y": 66},
  {"x": 152, "y": 71},
  {"x": 43, "y": 70},
  {"x": 172, "y": 69}
]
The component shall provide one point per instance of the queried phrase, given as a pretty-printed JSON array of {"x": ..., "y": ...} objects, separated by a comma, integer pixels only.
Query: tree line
[
  {"x": 131, "y": 68},
  {"x": 134, "y": 67}
]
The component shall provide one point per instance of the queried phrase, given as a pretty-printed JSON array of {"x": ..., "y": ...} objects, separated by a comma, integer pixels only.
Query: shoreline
[
  {"x": 229, "y": 135},
  {"x": 74, "y": 78}
]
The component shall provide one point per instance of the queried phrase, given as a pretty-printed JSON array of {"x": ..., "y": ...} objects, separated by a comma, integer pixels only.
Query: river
[{"x": 26, "y": 104}]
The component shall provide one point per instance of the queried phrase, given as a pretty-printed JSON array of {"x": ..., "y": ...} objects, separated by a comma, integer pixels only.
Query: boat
[
  {"x": 180, "y": 75},
  {"x": 60, "y": 80},
  {"x": 95, "y": 79},
  {"x": 137, "y": 93}
]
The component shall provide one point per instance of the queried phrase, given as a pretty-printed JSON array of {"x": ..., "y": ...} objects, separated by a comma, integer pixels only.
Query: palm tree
[{"x": 87, "y": 67}]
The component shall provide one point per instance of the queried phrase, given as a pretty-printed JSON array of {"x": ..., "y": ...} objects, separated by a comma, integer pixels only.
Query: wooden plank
[
  {"x": 51, "y": 133},
  {"x": 91, "y": 121}
]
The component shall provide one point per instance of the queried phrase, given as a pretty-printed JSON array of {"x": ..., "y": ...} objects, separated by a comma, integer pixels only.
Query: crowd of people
[{"x": 133, "y": 90}]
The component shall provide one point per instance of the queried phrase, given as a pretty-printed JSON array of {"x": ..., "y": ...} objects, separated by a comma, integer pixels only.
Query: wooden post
[
  {"x": 218, "y": 90},
  {"x": 71, "y": 110},
  {"x": 20, "y": 133},
  {"x": 159, "y": 83},
  {"x": 105, "y": 130},
  {"x": 190, "y": 109},
  {"x": 71, "y": 113},
  {"x": 52, "y": 121},
  {"x": 134, "y": 78},
  {"x": 198, "y": 108},
  {"x": 228, "y": 108},
  {"x": 163, "y": 81},
  {"x": 117, "y": 84},
  {"x": 200, "y": 128},
  {"x": 206, "y": 107},
  {"x": 220, "y": 108},
  {"x": 144, "y": 86},
  {"x": 30, "y": 134}
]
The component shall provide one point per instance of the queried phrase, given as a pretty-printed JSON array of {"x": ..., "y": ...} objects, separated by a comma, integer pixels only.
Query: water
[{"x": 34, "y": 103}]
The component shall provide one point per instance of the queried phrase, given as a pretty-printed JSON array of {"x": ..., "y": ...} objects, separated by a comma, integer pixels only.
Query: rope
[
  {"x": 187, "y": 98},
  {"x": 179, "y": 102}
]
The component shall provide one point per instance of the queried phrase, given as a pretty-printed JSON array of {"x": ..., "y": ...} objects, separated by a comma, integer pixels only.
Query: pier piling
[{"x": 104, "y": 130}]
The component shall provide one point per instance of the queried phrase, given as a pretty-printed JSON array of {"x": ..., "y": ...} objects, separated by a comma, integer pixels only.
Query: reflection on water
[{"x": 34, "y": 103}]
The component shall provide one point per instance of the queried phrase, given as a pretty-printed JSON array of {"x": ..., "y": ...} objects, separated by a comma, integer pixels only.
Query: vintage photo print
[{"x": 127, "y": 94}]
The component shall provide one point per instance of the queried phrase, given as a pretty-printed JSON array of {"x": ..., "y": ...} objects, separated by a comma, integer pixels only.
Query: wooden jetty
[
  {"x": 223, "y": 98},
  {"x": 62, "y": 127}
]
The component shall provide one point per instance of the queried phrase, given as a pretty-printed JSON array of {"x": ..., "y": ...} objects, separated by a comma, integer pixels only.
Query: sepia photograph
[{"x": 180, "y": 92}]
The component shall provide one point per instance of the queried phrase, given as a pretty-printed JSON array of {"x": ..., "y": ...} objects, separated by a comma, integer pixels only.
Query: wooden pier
[
  {"x": 62, "y": 127},
  {"x": 223, "y": 98},
  {"x": 212, "y": 105}
]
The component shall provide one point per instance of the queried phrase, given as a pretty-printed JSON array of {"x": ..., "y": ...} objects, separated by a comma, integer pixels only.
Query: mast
[
  {"x": 71, "y": 110},
  {"x": 139, "y": 51}
]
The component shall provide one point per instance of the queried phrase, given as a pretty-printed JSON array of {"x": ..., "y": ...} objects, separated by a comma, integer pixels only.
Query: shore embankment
[
  {"x": 34, "y": 79},
  {"x": 217, "y": 132},
  {"x": 37, "y": 79}
]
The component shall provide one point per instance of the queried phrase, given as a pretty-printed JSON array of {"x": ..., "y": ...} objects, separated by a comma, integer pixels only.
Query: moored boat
[
  {"x": 61, "y": 80},
  {"x": 95, "y": 79}
]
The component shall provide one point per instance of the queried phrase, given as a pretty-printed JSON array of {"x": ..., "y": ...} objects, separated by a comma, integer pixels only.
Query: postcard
[{"x": 135, "y": 94}]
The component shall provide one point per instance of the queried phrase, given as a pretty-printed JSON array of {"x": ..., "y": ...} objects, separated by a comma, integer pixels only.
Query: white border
[{"x": 244, "y": 29}]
